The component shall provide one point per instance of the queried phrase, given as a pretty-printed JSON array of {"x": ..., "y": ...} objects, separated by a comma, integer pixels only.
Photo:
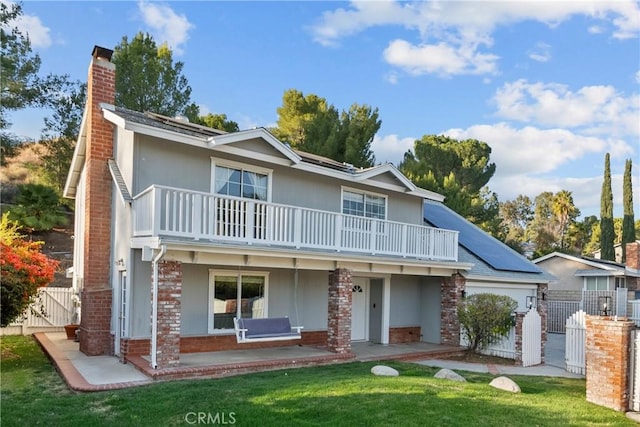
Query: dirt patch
[{"x": 471, "y": 357}]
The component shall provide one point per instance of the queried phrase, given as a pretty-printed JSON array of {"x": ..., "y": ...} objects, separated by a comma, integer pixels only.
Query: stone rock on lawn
[
  {"x": 448, "y": 374},
  {"x": 384, "y": 371},
  {"x": 506, "y": 384}
]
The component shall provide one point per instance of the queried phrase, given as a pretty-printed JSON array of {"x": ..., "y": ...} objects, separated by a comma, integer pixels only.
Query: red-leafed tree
[{"x": 23, "y": 269}]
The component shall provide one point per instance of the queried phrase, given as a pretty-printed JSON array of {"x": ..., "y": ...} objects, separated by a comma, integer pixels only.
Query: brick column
[
  {"x": 450, "y": 293},
  {"x": 169, "y": 295},
  {"x": 95, "y": 322},
  {"x": 95, "y": 329},
  {"x": 518, "y": 337},
  {"x": 607, "y": 361},
  {"x": 339, "y": 320},
  {"x": 633, "y": 263},
  {"x": 543, "y": 304}
]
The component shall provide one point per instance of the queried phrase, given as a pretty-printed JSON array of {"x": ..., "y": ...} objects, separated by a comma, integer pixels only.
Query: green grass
[{"x": 338, "y": 395}]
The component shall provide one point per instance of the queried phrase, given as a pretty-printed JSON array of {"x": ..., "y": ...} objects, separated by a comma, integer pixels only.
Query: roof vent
[{"x": 183, "y": 119}]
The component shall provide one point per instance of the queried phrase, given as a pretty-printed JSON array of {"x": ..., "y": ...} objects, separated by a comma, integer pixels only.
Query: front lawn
[{"x": 338, "y": 395}]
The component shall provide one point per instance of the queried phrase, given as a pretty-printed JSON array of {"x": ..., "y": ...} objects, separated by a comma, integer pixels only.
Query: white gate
[
  {"x": 634, "y": 376},
  {"x": 57, "y": 304},
  {"x": 575, "y": 344},
  {"x": 531, "y": 339}
]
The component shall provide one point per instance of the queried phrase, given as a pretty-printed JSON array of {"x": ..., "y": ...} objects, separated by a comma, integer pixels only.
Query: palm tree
[{"x": 565, "y": 211}]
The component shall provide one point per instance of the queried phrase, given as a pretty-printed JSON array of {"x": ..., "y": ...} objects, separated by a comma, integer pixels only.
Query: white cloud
[
  {"x": 541, "y": 52},
  {"x": 167, "y": 25},
  {"x": 599, "y": 110},
  {"x": 391, "y": 148},
  {"x": 32, "y": 26},
  {"x": 454, "y": 30},
  {"x": 442, "y": 59}
]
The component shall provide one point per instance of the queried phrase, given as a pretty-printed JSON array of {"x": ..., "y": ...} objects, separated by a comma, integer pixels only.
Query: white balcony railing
[{"x": 163, "y": 211}]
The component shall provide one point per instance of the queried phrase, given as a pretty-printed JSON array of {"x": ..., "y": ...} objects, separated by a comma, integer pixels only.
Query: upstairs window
[
  {"x": 364, "y": 204},
  {"x": 237, "y": 181}
]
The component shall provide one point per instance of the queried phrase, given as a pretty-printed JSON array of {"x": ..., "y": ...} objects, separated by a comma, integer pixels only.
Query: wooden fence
[
  {"x": 575, "y": 344},
  {"x": 53, "y": 309}
]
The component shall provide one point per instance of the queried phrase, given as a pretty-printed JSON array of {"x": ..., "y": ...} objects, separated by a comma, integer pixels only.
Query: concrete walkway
[{"x": 96, "y": 373}]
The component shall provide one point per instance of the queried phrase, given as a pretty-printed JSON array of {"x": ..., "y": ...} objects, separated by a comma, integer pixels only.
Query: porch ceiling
[{"x": 273, "y": 257}]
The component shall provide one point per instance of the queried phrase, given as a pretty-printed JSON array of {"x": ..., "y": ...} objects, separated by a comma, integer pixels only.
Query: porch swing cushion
[{"x": 265, "y": 329}]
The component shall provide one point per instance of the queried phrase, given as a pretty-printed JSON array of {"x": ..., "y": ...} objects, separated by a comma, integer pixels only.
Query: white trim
[
  {"x": 211, "y": 293},
  {"x": 510, "y": 285},
  {"x": 386, "y": 309},
  {"x": 229, "y": 138},
  {"x": 590, "y": 263}
]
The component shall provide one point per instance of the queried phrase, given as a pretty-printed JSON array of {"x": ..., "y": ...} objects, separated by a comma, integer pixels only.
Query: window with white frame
[
  {"x": 235, "y": 294},
  {"x": 364, "y": 204},
  {"x": 596, "y": 283},
  {"x": 621, "y": 282},
  {"x": 237, "y": 180}
]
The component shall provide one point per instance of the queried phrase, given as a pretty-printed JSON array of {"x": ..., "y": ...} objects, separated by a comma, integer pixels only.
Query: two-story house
[{"x": 180, "y": 228}]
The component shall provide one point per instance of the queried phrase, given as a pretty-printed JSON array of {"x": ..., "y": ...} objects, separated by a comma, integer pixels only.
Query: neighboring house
[
  {"x": 186, "y": 227},
  {"x": 617, "y": 251},
  {"x": 575, "y": 274}
]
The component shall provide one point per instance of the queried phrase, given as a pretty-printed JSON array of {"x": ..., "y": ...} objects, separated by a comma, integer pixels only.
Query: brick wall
[
  {"x": 97, "y": 214},
  {"x": 543, "y": 310},
  {"x": 518, "y": 338},
  {"x": 95, "y": 330},
  {"x": 206, "y": 343},
  {"x": 404, "y": 335},
  {"x": 450, "y": 292},
  {"x": 607, "y": 361},
  {"x": 169, "y": 296},
  {"x": 339, "y": 311}
]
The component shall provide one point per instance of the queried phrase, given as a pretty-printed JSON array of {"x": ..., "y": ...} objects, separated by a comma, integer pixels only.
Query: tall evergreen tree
[
  {"x": 628, "y": 220},
  {"x": 147, "y": 79},
  {"x": 607, "y": 234}
]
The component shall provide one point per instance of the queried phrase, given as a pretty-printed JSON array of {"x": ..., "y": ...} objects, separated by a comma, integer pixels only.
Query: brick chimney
[
  {"x": 95, "y": 328},
  {"x": 633, "y": 264}
]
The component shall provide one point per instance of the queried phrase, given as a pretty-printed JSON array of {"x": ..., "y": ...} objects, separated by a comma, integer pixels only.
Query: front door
[{"x": 359, "y": 315}]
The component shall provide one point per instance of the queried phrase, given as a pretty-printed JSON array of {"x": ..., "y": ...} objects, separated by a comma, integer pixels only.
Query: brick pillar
[
  {"x": 633, "y": 263},
  {"x": 451, "y": 290},
  {"x": 169, "y": 296},
  {"x": 95, "y": 328},
  {"x": 607, "y": 361},
  {"x": 339, "y": 320},
  {"x": 95, "y": 325},
  {"x": 542, "y": 296},
  {"x": 519, "y": 320}
]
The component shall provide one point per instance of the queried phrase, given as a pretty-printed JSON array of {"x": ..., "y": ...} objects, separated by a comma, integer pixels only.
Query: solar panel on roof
[{"x": 476, "y": 241}]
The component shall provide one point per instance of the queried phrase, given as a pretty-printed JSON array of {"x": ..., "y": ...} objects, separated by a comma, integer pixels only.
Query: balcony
[{"x": 170, "y": 212}]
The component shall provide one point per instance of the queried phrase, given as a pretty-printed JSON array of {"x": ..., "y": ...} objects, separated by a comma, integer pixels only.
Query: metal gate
[
  {"x": 531, "y": 339},
  {"x": 575, "y": 344}
]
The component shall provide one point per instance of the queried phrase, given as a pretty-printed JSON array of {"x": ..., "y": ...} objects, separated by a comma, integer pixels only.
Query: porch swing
[{"x": 268, "y": 328}]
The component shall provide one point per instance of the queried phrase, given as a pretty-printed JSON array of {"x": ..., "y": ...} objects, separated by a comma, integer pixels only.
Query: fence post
[{"x": 607, "y": 360}]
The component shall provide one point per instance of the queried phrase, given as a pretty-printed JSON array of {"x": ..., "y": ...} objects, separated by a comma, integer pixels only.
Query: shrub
[
  {"x": 23, "y": 269},
  {"x": 485, "y": 319},
  {"x": 38, "y": 207}
]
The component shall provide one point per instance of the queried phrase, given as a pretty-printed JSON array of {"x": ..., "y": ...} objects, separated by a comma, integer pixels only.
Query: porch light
[
  {"x": 605, "y": 305},
  {"x": 463, "y": 293},
  {"x": 532, "y": 302}
]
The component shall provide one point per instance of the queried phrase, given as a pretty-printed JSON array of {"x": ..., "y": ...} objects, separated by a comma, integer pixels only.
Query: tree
[
  {"x": 23, "y": 268},
  {"x": 628, "y": 221},
  {"x": 217, "y": 121},
  {"x": 565, "y": 212},
  {"x": 148, "y": 80},
  {"x": 456, "y": 169},
  {"x": 20, "y": 84},
  {"x": 309, "y": 123},
  {"x": 60, "y": 134},
  {"x": 516, "y": 215},
  {"x": 607, "y": 235},
  {"x": 37, "y": 208},
  {"x": 485, "y": 319},
  {"x": 541, "y": 230}
]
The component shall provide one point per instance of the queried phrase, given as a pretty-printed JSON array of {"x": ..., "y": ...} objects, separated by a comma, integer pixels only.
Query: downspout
[{"x": 154, "y": 306}]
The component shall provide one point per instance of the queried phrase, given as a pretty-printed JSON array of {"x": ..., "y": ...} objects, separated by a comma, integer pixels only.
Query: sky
[{"x": 550, "y": 86}]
